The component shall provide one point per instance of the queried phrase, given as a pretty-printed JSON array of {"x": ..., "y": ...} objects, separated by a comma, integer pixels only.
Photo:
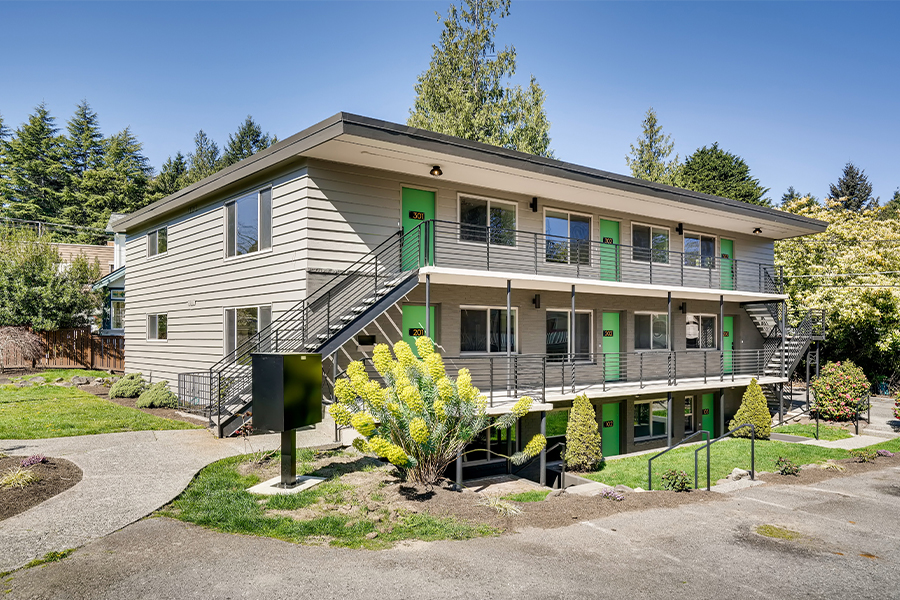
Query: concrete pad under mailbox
[{"x": 272, "y": 487}]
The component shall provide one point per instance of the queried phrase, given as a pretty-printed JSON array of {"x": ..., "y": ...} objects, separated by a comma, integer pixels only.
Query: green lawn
[
  {"x": 217, "y": 498},
  {"x": 826, "y": 432},
  {"x": 529, "y": 496},
  {"x": 51, "y": 411},
  {"x": 724, "y": 456},
  {"x": 66, "y": 374}
]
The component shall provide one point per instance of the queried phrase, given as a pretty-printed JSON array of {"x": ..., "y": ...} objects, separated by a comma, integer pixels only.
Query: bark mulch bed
[
  {"x": 54, "y": 477},
  {"x": 102, "y": 391},
  {"x": 815, "y": 473}
]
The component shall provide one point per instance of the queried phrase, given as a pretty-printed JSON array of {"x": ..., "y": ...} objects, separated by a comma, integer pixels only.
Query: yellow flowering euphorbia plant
[{"x": 422, "y": 418}]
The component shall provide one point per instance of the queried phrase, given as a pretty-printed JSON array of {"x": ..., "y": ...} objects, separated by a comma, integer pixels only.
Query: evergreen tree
[
  {"x": 172, "y": 177},
  {"x": 720, "y": 173},
  {"x": 36, "y": 173},
  {"x": 583, "y": 451},
  {"x": 755, "y": 411},
  {"x": 247, "y": 141},
  {"x": 891, "y": 210},
  {"x": 853, "y": 190},
  {"x": 650, "y": 160},
  {"x": 4, "y": 163},
  {"x": 84, "y": 144},
  {"x": 791, "y": 195},
  {"x": 204, "y": 160},
  {"x": 464, "y": 91}
]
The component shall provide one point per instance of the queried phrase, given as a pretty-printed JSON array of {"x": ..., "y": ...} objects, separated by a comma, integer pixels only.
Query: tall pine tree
[
  {"x": 464, "y": 92},
  {"x": 247, "y": 141},
  {"x": 84, "y": 144},
  {"x": 204, "y": 160},
  {"x": 650, "y": 159},
  {"x": 4, "y": 163},
  {"x": 853, "y": 190},
  {"x": 36, "y": 170},
  {"x": 172, "y": 177},
  {"x": 720, "y": 173}
]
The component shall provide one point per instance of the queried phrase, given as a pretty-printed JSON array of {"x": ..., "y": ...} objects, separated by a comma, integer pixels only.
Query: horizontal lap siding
[{"x": 194, "y": 269}]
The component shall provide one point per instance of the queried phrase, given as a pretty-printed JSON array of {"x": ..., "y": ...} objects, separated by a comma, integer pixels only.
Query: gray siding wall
[{"x": 194, "y": 283}]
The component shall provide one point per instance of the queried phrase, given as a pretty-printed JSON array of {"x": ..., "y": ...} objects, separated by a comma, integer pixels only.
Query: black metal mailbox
[{"x": 287, "y": 390}]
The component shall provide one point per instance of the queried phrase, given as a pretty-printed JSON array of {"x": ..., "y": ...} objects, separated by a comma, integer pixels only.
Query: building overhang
[
  {"x": 407, "y": 151},
  {"x": 546, "y": 283}
]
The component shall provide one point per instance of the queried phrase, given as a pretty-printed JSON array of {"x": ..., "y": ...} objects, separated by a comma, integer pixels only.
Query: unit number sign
[
  {"x": 416, "y": 215},
  {"x": 609, "y": 333},
  {"x": 726, "y": 333},
  {"x": 416, "y": 331},
  {"x": 705, "y": 411},
  {"x": 608, "y": 423},
  {"x": 608, "y": 240}
]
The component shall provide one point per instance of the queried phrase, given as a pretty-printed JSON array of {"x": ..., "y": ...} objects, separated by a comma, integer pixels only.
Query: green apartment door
[
  {"x": 417, "y": 206},
  {"x": 708, "y": 414},
  {"x": 611, "y": 347},
  {"x": 414, "y": 324},
  {"x": 609, "y": 250},
  {"x": 728, "y": 348},
  {"x": 726, "y": 248},
  {"x": 609, "y": 428}
]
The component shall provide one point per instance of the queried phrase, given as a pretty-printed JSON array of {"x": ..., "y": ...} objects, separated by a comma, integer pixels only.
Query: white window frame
[
  {"x": 701, "y": 236},
  {"x": 112, "y": 302},
  {"x": 591, "y": 239},
  {"x": 153, "y": 235},
  {"x": 225, "y": 310},
  {"x": 154, "y": 319},
  {"x": 647, "y": 438},
  {"x": 715, "y": 319},
  {"x": 259, "y": 222},
  {"x": 515, "y": 205},
  {"x": 568, "y": 312},
  {"x": 650, "y": 250},
  {"x": 668, "y": 331},
  {"x": 514, "y": 311},
  {"x": 693, "y": 413}
]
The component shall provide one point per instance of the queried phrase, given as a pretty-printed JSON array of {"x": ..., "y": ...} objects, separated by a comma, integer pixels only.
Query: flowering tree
[
  {"x": 422, "y": 419},
  {"x": 841, "y": 390},
  {"x": 855, "y": 279}
]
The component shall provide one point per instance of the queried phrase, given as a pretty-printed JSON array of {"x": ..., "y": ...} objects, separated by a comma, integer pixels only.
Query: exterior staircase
[{"x": 321, "y": 323}]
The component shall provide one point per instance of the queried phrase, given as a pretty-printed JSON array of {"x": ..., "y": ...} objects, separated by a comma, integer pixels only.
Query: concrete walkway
[
  {"x": 851, "y": 443},
  {"x": 127, "y": 476}
]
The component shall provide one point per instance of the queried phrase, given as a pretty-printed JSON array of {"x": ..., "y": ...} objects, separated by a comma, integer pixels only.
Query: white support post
[{"x": 428, "y": 305}]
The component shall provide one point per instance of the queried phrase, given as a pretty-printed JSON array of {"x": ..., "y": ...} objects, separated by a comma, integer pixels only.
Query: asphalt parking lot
[{"x": 848, "y": 547}]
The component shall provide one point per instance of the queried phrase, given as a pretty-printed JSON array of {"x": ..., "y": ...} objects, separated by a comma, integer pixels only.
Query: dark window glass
[
  {"x": 498, "y": 331},
  {"x": 557, "y": 333},
  {"x": 473, "y": 220},
  {"x": 162, "y": 241},
  {"x": 247, "y": 224},
  {"x": 473, "y": 331}
]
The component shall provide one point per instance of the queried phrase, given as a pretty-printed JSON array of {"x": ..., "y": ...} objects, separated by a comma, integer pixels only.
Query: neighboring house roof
[
  {"x": 110, "y": 279},
  {"x": 373, "y": 143}
]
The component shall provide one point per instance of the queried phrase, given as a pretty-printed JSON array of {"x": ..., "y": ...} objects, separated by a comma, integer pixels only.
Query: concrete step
[{"x": 588, "y": 489}]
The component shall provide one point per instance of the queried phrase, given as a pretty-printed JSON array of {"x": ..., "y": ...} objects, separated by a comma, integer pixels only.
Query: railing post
[
  {"x": 641, "y": 370},
  {"x": 491, "y": 367},
  {"x": 681, "y": 263},
  {"x": 543, "y": 379},
  {"x": 705, "y": 354},
  {"x": 487, "y": 253},
  {"x": 535, "y": 253}
]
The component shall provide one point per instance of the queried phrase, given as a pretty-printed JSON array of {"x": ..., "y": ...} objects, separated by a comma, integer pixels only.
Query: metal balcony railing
[{"x": 496, "y": 248}]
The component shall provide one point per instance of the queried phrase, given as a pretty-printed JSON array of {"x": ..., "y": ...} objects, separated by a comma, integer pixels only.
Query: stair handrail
[
  {"x": 670, "y": 448},
  {"x": 723, "y": 436}
]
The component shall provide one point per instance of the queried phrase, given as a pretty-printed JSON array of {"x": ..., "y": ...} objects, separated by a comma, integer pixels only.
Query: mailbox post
[{"x": 287, "y": 395}]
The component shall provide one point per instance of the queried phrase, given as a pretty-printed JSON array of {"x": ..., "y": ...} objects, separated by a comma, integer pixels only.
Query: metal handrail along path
[
  {"x": 688, "y": 438},
  {"x": 723, "y": 436}
]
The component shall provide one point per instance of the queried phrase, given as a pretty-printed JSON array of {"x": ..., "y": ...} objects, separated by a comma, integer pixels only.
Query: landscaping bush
[
  {"x": 611, "y": 494},
  {"x": 676, "y": 481},
  {"x": 130, "y": 386},
  {"x": 841, "y": 389},
  {"x": 885, "y": 453},
  {"x": 786, "y": 467},
  {"x": 863, "y": 455},
  {"x": 753, "y": 410},
  {"x": 582, "y": 437},
  {"x": 422, "y": 418},
  {"x": 17, "y": 477},
  {"x": 157, "y": 395},
  {"x": 34, "y": 459},
  {"x": 897, "y": 408}
]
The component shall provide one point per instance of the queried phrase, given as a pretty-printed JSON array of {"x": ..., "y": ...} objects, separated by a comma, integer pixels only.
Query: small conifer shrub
[
  {"x": 755, "y": 411},
  {"x": 583, "y": 451},
  {"x": 130, "y": 386},
  {"x": 157, "y": 395}
]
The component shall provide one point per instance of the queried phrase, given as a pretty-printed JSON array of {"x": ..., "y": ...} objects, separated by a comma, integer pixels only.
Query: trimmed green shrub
[
  {"x": 583, "y": 451},
  {"x": 753, "y": 410},
  {"x": 157, "y": 395},
  {"x": 840, "y": 389},
  {"x": 897, "y": 408},
  {"x": 130, "y": 386},
  {"x": 864, "y": 455},
  {"x": 676, "y": 481}
]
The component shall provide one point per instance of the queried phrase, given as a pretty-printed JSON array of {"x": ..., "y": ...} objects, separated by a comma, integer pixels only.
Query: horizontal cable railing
[{"x": 496, "y": 248}]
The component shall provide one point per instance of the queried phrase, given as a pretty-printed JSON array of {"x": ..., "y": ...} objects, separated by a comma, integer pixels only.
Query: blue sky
[{"x": 797, "y": 88}]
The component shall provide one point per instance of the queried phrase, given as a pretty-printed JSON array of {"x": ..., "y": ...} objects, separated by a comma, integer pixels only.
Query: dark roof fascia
[
  {"x": 270, "y": 157},
  {"x": 376, "y": 129},
  {"x": 105, "y": 280},
  {"x": 427, "y": 140}
]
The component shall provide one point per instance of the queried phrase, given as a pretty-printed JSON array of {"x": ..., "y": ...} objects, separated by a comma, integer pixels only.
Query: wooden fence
[{"x": 74, "y": 349}]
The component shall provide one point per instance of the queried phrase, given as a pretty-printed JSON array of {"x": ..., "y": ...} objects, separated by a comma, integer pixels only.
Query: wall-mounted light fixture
[
  {"x": 536, "y": 300},
  {"x": 683, "y": 308},
  {"x": 757, "y": 231},
  {"x": 680, "y": 229},
  {"x": 436, "y": 171},
  {"x": 533, "y": 205}
]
